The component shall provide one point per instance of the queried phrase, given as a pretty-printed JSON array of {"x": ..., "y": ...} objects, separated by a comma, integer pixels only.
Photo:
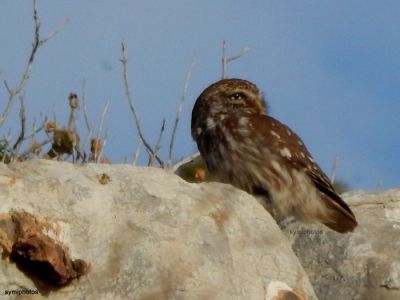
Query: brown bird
[{"x": 245, "y": 147}]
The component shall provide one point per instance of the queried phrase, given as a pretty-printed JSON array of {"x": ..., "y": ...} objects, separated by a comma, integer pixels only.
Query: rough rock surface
[
  {"x": 364, "y": 264},
  {"x": 147, "y": 234}
]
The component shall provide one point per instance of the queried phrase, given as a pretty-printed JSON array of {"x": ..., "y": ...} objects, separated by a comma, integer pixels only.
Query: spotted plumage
[{"x": 242, "y": 145}]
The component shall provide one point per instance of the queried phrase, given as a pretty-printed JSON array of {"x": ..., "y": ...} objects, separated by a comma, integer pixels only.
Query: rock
[
  {"x": 145, "y": 234},
  {"x": 364, "y": 264}
]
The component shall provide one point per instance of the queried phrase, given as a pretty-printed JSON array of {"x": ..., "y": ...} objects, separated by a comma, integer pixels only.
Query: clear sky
[{"x": 329, "y": 69}]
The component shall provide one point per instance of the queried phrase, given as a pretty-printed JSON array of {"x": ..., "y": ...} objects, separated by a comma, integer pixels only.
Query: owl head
[
  {"x": 232, "y": 95},
  {"x": 225, "y": 97}
]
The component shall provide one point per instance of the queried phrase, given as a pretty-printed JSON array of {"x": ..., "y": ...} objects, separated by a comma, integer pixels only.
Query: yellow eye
[{"x": 237, "y": 96}]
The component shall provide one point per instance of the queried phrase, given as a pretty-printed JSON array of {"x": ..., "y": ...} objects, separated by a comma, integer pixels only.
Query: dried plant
[{"x": 36, "y": 44}]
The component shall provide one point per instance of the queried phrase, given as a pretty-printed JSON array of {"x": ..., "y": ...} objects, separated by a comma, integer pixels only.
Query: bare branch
[
  {"x": 36, "y": 130},
  {"x": 103, "y": 114},
  {"x": 45, "y": 142},
  {"x": 89, "y": 128},
  {"x": 180, "y": 107},
  {"x": 97, "y": 144},
  {"x": 7, "y": 87},
  {"x": 137, "y": 153},
  {"x": 37, "y": 42},
  {"x": 124, "y": 62},
  {"x": 21, "y": 136},
  {"x": 227, "y": 60},
  {"x": 158, "y": 143},
  {"x": 237, "y": 56},
  {"x": 102, "y": 147},
  {"x": 223, "y": 60},
  {"x": 55, "y": 31},
  {"x": 159, "y": 139},
  {"x": 193, "y": 157}
]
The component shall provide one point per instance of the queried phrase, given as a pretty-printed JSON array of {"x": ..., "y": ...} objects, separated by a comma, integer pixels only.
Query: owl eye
[{"x": 237, "y": 96}]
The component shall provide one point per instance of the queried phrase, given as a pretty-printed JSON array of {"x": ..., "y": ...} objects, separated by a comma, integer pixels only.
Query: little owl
[{"x": 245, "y": 147}]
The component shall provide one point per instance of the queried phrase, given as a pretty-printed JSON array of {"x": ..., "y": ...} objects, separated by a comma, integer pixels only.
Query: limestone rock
[
  {"x": 364, "y": 264},
  {"x": 146, "y": 234}
]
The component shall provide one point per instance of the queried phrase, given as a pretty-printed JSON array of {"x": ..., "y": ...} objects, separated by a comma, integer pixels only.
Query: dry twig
[
  {"x": 227, "y": 60},
  {"x": 89, "y": 128},
  {"x": 103, "y": 115},
  {"x": 41, "y": 144},
  {"x": 99, "y": 130},
  {"x": 102, "y": 147},
  {"x": 37, "y": 42},
  {"x": 124, "y": 62},
  {"x": 36, "y": 130},
  {"x": 158, "y": 143},
  {"x": 21, "y": 136},
  {"x": 137, "y": 153},
  {"x": 180, "y": 107},
  {"x": 194, "y": 156}
]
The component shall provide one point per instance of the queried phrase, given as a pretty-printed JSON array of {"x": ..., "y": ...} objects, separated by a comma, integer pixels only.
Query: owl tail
[{"x": 339, "y": 216}]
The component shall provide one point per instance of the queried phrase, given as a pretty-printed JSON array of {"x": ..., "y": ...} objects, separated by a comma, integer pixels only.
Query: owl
[{"x": 242, "y": 145}]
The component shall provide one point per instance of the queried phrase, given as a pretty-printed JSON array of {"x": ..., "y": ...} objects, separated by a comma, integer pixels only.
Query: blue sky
[{"x": 329, "y": 69}]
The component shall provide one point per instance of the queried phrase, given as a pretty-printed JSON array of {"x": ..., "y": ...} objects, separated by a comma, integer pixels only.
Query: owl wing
[{"x": 294, "y": 152}]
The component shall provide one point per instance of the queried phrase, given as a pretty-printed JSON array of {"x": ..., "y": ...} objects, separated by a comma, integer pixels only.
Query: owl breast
[{"x": 231, "y": 153}]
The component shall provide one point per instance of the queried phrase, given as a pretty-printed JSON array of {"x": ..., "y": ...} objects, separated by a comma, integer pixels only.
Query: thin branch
[
  {"x": 102, "y": 147},
  {"x": 158, "y": 143},
  {"x": 137, "y": 153},
  {"x": 55, "y": 31},
  {"x": 103, "y": 114},
  {"x": 334, "y": 167},
  {"x": 36, "y": 130},
  {"x": 89, "y": 128},
  {"x": 180, "y": 107},
  {"x": 46, "y": 126},
  {"x": 96, "y": 156},
  {"x": 7, "y": 87},
  {"x": 226, "y": 60},
  {"x": 85, "y": 115},
  {"x": 37, "y": 42},
  {"x": 124, "y": 62},
  {"x": 186, "y": 160},
  {"x": 237, "y": 56},
  {"x": 159, "y": 139},
  {"x": 45, "y": 142},
  {"x": 223, "y": 60},
  {"x": 21, "y": 136}
]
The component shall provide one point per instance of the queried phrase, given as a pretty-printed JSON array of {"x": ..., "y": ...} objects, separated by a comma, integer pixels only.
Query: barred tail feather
[{"x": 339, "y": 217}]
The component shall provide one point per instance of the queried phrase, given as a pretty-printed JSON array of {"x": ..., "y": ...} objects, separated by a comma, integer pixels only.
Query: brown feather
[{"x": 340, "y": 217}]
